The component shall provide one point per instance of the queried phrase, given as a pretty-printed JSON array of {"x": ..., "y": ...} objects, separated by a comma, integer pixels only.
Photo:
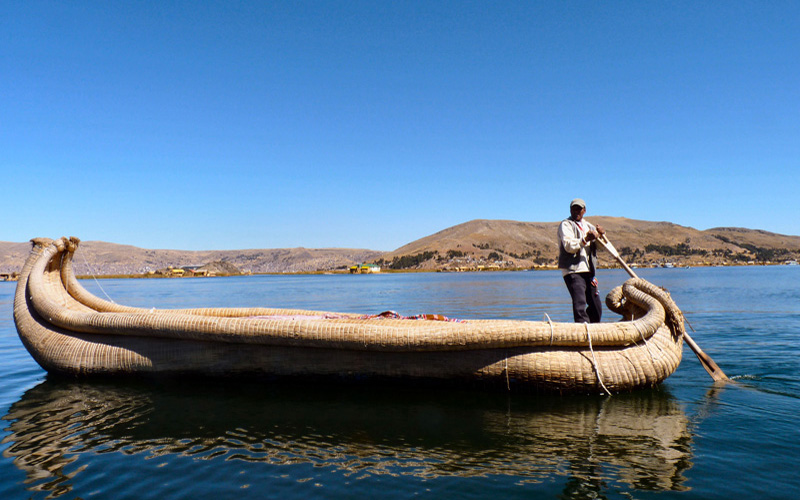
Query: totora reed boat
[{"x": 69, "y": 331}]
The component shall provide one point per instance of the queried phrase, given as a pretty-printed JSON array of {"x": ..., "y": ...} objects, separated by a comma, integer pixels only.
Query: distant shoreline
[
  {"x": 479, "y": 244},
  {"x": 402, "y": 271}
]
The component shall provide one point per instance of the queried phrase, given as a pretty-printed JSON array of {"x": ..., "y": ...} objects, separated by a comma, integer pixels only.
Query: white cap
[{"x": 577, "y": 201}]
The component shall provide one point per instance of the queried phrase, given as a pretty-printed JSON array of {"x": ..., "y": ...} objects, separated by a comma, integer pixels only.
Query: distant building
[{"x": 365, "y": 269}]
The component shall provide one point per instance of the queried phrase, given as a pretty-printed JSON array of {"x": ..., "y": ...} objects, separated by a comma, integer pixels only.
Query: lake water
[{"x": 686, "y": 439}]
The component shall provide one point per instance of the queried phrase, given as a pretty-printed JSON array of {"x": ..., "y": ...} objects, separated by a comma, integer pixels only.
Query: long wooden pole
[{"x": 711, "y": 367}]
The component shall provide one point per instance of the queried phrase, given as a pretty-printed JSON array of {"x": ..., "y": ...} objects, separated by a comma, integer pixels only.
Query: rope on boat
[
  {"x": 647, "y": 345},
  {"x": 594, "y": 360},
  {"x": 91, "y": 271},
  {"x": 552, "y": 331}
]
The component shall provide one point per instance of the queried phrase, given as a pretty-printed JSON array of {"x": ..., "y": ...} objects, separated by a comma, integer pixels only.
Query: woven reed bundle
[{"x": 68, "y": 330}]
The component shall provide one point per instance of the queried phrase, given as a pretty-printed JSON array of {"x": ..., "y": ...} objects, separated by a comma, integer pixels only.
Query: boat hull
[{"x": 70, "y": 332}]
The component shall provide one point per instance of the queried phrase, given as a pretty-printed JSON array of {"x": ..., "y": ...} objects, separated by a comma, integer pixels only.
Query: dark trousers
[{"x": 586, "y": 305}]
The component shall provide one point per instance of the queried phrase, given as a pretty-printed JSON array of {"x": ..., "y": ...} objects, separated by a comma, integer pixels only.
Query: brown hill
[
  {"x": 502, "y": 243},
  {"x": 102, "y": 258},
  {"x": 485, "y": 243},
  {"x": 12, "y": 256}
]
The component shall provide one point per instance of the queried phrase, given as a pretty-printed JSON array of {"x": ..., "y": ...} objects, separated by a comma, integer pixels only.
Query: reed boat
[{"x": 71, "y": 332}]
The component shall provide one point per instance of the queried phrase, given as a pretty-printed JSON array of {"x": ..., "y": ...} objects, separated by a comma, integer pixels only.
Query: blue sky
[{"x": 223, "y": 125}]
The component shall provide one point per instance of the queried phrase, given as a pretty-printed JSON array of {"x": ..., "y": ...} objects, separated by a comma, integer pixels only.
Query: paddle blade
[{"x": 711, "y": 367}]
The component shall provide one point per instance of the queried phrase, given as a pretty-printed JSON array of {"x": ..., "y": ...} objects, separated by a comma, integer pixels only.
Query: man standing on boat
[{"x": 577, "y": 259}]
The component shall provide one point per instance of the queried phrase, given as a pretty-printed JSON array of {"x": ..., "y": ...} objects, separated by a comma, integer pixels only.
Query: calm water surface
[{"x": 686, "y": 439}]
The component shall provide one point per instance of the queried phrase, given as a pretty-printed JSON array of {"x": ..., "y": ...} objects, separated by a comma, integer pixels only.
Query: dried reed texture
[{"x": 70, "y": 331}]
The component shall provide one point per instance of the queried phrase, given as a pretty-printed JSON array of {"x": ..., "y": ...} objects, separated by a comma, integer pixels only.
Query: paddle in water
[{"x": 711, "y": 367}]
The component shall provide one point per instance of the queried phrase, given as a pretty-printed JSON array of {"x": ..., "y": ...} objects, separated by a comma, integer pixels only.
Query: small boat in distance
[{"x": 69, "y": 331}]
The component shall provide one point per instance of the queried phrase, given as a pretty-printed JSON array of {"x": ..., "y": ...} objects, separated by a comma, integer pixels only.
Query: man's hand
[{"x": 595, "y": 234}]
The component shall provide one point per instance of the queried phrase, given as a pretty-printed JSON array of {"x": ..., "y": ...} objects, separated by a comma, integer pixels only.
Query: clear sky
[{"x": 269, "y": 124}]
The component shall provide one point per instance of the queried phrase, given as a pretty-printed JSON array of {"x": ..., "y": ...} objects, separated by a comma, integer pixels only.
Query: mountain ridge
[
  {"x": 504, "y": 243},
  {"x": 490, "y": 243}
]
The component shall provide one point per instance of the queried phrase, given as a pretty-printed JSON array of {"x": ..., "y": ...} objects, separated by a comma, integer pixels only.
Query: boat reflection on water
[{"x": 640, "y": 440}]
